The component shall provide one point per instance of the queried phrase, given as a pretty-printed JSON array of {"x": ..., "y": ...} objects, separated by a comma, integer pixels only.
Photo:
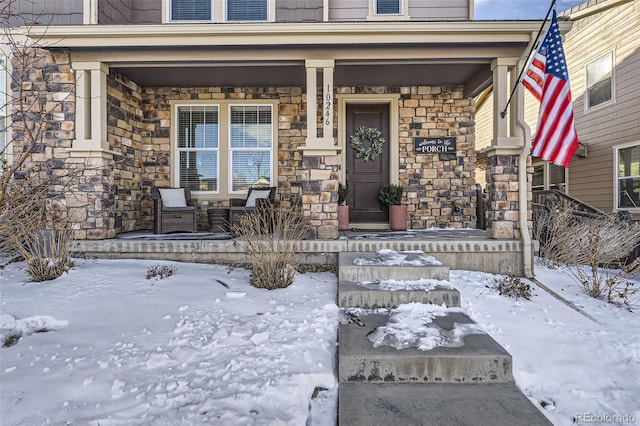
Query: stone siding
[
  {"x": 112, "y": 194},
  {"x": 156, "y": 135},
  {"x": 503, "y": 202},
  {"x": 439, "y": 188}
]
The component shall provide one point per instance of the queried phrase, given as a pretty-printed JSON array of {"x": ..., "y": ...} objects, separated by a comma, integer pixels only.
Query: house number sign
[
  {"x": 328, "y": 106},
  {"x": 434, "y": 145}
]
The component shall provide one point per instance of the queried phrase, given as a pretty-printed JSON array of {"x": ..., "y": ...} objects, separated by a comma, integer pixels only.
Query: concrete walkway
[{"x": 467, "y": 385}]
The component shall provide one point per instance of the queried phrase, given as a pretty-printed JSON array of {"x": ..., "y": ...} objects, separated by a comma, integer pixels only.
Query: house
[
  {"x": 603, "y": 57},
  {"x": 216, "y": 95}
]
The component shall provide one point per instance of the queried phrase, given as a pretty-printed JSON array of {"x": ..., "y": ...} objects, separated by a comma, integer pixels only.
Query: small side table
[{"x": 218, "y": 217}]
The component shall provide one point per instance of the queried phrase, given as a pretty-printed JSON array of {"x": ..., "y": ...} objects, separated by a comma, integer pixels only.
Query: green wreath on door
[{"x": 372, "y": 135}]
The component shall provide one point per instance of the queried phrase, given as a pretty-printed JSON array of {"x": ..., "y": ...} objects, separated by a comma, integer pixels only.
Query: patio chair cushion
[
  {"x": 173, "y": 197},
  {"x": 254, "y": 194}
]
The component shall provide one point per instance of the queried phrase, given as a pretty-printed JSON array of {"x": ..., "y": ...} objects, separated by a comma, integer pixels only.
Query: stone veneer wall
[
  {"x": 439, "y": 188},
  {"x": 113, "y": 196},
  {"x": 128, "y": 185},
  {"x": 156, "y": 137},
  {"x": 503, "y": 203}
]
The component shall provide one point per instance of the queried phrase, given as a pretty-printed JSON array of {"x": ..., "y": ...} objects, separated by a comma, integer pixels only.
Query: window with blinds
[
  {"x": 190, "y": 10},
  {"x": 247, "y": 10},
  {"x": 198, "y": 146},
  {"x": 388, "y": 7},
  {"x": 250, "y": 146}
]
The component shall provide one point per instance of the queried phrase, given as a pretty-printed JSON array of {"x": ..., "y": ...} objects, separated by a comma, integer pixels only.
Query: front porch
[{"x": 468, "y": 249}]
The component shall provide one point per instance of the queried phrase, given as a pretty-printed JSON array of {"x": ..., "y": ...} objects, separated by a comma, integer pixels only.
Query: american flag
[{"x": 547, "y": 79}]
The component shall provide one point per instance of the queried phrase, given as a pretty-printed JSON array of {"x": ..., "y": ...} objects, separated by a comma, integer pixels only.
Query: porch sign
[{"x": 434, "y": 145}]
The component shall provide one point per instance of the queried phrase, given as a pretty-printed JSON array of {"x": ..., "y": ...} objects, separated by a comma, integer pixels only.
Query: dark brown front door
[{"x": 366, "y": 178}]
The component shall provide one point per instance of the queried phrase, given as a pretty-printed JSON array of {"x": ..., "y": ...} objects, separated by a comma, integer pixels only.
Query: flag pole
[{"x": 533, "y": 46}]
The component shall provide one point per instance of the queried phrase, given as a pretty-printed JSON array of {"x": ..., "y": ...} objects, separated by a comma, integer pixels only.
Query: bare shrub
[
  {"x": 270, "y": 237},
  {"x": 160, "y": 271},
  {"x": 513, "y": 287},
  {"x": 44, "y": 239},
  {"x": 547, "y": 225},
  {"x": 591, "y": 247}
]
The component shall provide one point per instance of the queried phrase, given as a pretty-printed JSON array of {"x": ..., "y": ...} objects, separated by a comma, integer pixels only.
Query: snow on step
[
  {"x": 462, "y": 354},
  {"x": 389, "y": 264}
]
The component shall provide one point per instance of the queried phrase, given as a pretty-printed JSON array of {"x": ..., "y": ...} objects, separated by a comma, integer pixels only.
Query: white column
[
  {"x": 326, "y": 143},
  {"x": 91, "y": 108},
  {"x": 312, "y": 107},
  {"x": 327, "y": 103},
  {"x": 501, "y": 92}
]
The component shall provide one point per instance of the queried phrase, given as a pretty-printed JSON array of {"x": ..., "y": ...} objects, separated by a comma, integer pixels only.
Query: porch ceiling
[{"x": 293, "y": 74}]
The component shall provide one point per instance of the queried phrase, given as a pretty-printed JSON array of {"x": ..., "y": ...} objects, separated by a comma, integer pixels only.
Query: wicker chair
[
  {"x": 174, "y": 211},
  {"x": 259, "y": 197}
]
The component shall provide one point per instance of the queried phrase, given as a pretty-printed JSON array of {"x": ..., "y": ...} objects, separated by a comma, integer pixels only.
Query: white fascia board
[{"x": 475, "y": 32}]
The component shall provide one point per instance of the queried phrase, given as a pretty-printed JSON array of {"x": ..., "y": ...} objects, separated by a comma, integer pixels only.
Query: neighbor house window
[
  {"x": 628, "y": 177},
  {"x": 599, "y": 81},
  {"x": 251, "y": 145},
  {"x": 247, "y": 10},
  {"x": 190, "y": 10},
  {"x": 548, "y": 176},
  {"x": 224, "y": 148},
  {"x": 388, "y": 7},
  {"x": 197, "y": 147},
  {"x": 388, "y": 10},
  {"x": 3, "y": 105}
]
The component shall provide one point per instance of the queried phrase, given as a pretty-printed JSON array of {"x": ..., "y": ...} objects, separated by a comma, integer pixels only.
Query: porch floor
[{"x": 457, "y": 248}]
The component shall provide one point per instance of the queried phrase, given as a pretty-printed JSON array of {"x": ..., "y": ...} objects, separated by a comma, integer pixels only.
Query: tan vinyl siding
[
  {"x": 616, "y": 30},
  {"x": 348, "y": 10},
  {"x": 617, "y": 122},
  {"x": 419, "y": 10},
  {"x": 298, "y": 10},
  {"x": 47, "y": 12},
  {"x": 439, "y": 10}
]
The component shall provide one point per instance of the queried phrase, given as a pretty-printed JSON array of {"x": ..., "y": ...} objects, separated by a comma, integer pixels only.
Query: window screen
[
  {"x": 247, "y": 10},
  {"x": 190, "y": 10},
  {"x": 251, "y": 146},
  {"x": 387, "y": 7},
  {"x": 198, "y": 144}
]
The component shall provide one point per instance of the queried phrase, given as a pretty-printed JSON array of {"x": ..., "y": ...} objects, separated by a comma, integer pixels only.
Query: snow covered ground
[
  {"x": 203, "y": 347},
  {"x": 199, "y": 347}
]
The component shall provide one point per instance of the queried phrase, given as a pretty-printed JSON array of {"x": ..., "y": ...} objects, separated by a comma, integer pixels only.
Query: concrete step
[
  {"x": 371, "y": 296},
  {"x": 479, "y": 360},
  {"x": 375, "y": 270},
  {"x": 422, "y": 404}
]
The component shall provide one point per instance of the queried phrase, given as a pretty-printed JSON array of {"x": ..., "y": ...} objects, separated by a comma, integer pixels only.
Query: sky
[{"x": 519, "y": 9}]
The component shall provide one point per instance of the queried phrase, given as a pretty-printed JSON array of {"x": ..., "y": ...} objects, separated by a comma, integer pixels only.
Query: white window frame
[
  {"x": 616, "y": 179},
  {"x": 224, "y": 178},
  {"x": 402, "y": 16},
  {"x": 178, "y": 150},
  {"x": 231, "y": 150},
  {"x": 218, "y": 12},
  {"x": 546, "y": 176},
  {"x": 588, "y": 108}
]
